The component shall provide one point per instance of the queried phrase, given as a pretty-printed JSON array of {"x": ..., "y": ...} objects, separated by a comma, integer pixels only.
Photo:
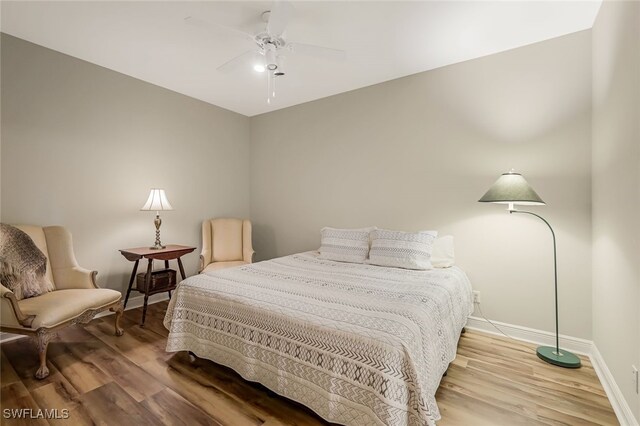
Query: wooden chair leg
[
  {"x": 144, "y": 309},
  {"x": 118, "y": 309},
  {"x": 43, "y": 337}
]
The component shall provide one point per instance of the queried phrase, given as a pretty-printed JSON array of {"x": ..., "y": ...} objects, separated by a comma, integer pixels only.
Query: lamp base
[
  {"x": 157, "y": 247},
  {"x": 562, "y": 359}
]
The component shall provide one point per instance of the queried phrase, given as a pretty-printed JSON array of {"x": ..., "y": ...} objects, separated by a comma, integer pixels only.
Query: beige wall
[
  {"x": 418, "y": 152},
  {"x": 82, "y": 146},
  {"x": 616, "y": 191}
]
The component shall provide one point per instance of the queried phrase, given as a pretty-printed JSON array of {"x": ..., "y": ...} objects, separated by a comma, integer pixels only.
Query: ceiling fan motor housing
[{"x": 264, "y": 38}]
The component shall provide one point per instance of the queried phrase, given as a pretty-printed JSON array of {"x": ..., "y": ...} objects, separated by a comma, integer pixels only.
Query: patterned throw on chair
[{"x": 23, "y": 267}]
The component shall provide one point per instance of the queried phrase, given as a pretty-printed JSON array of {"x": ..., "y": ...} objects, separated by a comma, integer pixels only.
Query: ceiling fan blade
[
  {"x": 279, "y": 17},
  {"x": 244, "y": 61},
  {"x": 318, "y": 51},
  {"x": 217, "y": 28}
]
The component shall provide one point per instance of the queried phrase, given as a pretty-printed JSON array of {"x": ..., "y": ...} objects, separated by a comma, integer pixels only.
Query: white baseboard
[
  {"x": 573, "y": 344},
  {"x": 134, "y": 302},
  {"x": 531, "y": 335},
  {"x": 619, "y": 404}
]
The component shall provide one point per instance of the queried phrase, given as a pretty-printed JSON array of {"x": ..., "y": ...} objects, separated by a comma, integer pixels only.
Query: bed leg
[{"x": 464, "y": 330}]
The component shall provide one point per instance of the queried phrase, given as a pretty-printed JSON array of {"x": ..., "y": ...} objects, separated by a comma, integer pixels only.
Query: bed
[{"x": 358, "y": 344}]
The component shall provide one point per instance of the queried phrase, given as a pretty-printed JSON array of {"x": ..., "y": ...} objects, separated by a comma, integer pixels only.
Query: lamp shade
[
  {"x": 511, "y": 188},
  {"x": 157, "y": 201}
]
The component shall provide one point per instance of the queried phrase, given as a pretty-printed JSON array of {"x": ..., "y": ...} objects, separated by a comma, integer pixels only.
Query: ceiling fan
[{"x": 270, "y": 46}]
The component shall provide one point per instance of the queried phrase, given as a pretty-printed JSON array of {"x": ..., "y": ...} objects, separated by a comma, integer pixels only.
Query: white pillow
[
  {"x": 344, "y": 245},
  {"x": 443, "y": 255},
  {"x": 402, "y": 249}
]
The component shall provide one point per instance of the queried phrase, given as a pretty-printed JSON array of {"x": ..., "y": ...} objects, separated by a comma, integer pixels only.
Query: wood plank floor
[{"x": 130, "y": 380}]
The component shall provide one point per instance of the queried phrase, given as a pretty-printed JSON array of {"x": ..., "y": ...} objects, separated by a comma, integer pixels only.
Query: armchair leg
[
  {"x": 43, "y": 337},
  {"x": 118, "y": 309}
]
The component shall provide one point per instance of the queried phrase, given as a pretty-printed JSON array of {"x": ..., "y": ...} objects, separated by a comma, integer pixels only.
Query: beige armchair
[
  {"x": 75, "y": 300},
  {"x": 226, "y": 242}
]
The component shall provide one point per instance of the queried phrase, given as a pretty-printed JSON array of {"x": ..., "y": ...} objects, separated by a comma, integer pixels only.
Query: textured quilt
[{"x": 358, "y": 344}]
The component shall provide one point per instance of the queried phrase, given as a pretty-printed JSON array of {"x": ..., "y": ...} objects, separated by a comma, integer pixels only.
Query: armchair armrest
[
  {"x": 205, "y": 254},
  {"x": 203, "y": 262},
  {"x": 75, "y": 277},
  {"x": 11, "y": 309},
  {"x": 247, "y": 254},
  {"x": 247, "y": 245}
]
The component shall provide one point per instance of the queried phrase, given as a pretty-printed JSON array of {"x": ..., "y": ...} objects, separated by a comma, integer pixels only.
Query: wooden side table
[{"x": 171, "y": 252}]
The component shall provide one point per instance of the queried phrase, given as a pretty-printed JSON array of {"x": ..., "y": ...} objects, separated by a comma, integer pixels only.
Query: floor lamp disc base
[{"x": 562, "y": 359}]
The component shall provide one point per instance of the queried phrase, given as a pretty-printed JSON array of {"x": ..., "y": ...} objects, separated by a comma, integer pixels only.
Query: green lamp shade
[{"x": 511, "y": 187}]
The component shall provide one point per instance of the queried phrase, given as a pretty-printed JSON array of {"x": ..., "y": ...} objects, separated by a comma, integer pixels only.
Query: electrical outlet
[
  {"x": 476, "y": 297},
  {"x": 634, "y": 370}
]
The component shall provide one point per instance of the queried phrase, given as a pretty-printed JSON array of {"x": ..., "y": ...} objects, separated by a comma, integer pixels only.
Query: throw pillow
[
  {"x": 443, "y": 255},
  {"x": 345, "y": 245},
  {"x": 402, "y": 249}
]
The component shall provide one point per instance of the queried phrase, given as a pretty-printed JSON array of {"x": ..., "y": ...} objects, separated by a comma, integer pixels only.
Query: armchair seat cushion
[
  {"x": 221, "y": 265},
  {"x": 54, "y": 308}
]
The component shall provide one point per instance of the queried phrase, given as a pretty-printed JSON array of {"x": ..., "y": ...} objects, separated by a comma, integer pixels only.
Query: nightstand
[{"x": 158, "y": 281}]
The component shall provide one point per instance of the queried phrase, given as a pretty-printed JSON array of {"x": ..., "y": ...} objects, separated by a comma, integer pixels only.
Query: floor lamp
[{"x": 511, "y": 189}]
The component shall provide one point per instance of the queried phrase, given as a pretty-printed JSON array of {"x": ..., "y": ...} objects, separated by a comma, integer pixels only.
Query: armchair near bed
[
  {"x": 75, "y": 298},
  {"x": 226, "y": 242}
]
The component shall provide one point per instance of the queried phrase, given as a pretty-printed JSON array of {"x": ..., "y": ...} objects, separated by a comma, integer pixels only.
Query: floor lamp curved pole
[{"x": 511, "y": 188}]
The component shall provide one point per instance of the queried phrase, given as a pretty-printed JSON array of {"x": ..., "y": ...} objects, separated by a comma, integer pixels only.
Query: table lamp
[
  {"x": 157, "y": 201},
  {"x": 511, "y": 189}
]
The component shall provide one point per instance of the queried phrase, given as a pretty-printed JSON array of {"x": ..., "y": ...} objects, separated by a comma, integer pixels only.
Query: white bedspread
[{"x": 358, "y": 344}]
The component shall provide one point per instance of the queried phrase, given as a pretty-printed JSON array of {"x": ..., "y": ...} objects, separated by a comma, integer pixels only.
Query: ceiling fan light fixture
[
  {"x": 259, "y": 68},
  {"x": 270, "y": 56}
]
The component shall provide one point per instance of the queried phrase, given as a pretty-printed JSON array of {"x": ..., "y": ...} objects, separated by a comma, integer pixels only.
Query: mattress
[{"x": 358, "y": 344}]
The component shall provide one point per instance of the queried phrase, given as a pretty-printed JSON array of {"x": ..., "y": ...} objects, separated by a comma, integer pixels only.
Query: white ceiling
[{"x": 384, "y": 40}]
